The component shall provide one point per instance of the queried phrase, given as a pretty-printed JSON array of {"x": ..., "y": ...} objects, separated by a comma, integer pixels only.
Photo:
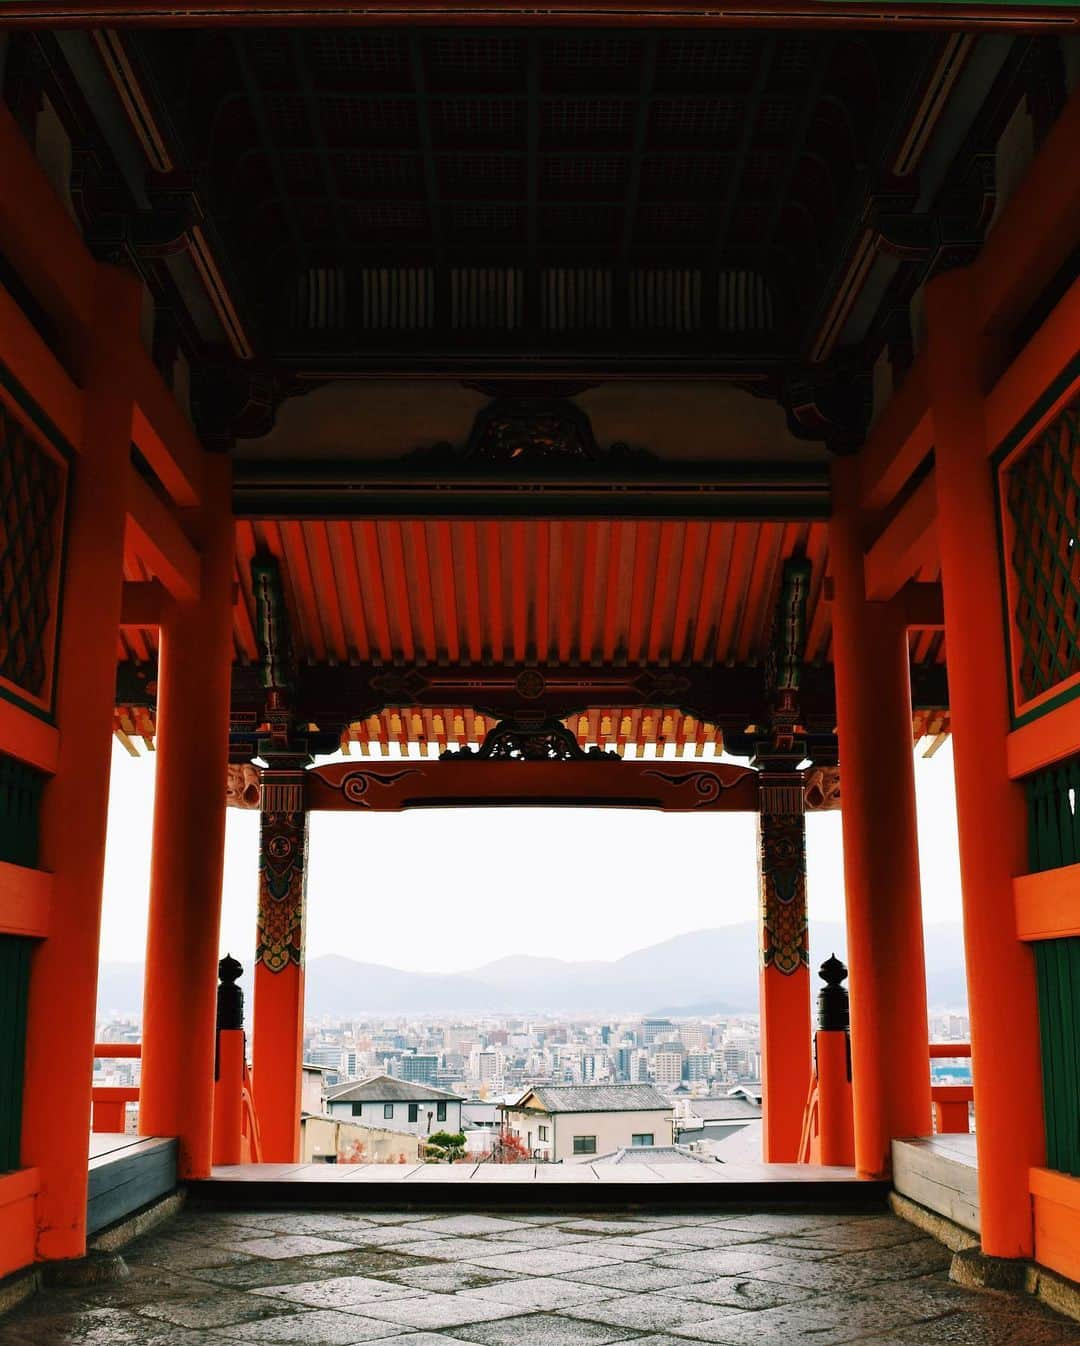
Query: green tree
[{"x": 445, "y": 1147}]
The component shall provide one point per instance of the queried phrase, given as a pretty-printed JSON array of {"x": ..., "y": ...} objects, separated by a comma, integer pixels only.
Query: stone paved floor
[{"x": 335, "y": 1279}]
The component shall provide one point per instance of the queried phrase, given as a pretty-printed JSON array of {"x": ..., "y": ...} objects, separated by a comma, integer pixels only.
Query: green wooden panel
[
  {"x": 1053, "y": 799},
  {"x": 20, "y": 806},
  {"x": 1057, "y": 963},
  {"x": 14, "y": 985}
]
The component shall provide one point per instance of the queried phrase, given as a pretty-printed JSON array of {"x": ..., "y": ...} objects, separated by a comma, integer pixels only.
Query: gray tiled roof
[
  {"x": 599, "y": 1098},
  {"x": 385, "y": 1089}
]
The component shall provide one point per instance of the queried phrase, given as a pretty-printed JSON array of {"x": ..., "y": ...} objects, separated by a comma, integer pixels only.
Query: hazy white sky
[{"x": 447, "y": 890}]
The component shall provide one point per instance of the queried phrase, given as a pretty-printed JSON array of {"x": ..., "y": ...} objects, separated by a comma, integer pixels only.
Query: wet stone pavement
[{"x": 289, "y": 1278}]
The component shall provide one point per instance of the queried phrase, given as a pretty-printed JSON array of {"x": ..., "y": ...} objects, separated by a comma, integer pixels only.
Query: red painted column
[
  {"x": 277, "y": 1041},
  {"x": 990, "y": 808},
  {"x": 63, "y": 978},
  {"x": 889, "y": 1033},
  {"x": 194, "y": 670},
  {"x": 786, "y": 1062}
]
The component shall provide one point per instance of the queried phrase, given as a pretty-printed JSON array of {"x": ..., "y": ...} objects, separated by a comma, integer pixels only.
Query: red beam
[
  {"x": 982, "y": 15},
  {"x": 674, "y": 787}
]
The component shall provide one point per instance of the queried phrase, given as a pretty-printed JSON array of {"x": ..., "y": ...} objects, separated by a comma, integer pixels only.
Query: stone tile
[
  {"x": 469, "y": 1224},
  {"x": 336, "y": 1292},
  {"x": 308, "y": 1327},
  {"x": 144, "y": 1285},
  {"x": 917, "y": 1258},
  {"x": 645, "y": 1312},
  {"x": 458, "y": 1248},
  {"x": 420, "y": 1339},
  {"x": 434, "y": 1311},
  {"x": 629, "y": 1226},
  {"x": 448, "y": 1277},
  {"x": 634, "y": 1276},
  {"x": 618, "y": 1250},
  {"x": 260, "y": 1271},
  {"x": 781, "y": 1224},
  {"x": 544, "y": 1292},
  {"x": 214, "y": 1310},
  {"x": 182, "y": 1255},
  {"x": 549, "y": 1236},
  {"x": 828, "y": 1277},
  {"x": 95, "y": 1327},
  {"x": 389, "y": 1236},
  {"x": 988, "y": 1328},
  {"x": 740, "y": 1292},
  {"x": 285, "y": 1245},
  {"x": 541, "y": 1329},
  {"x": 394, "y": 1217},
  {"x": 545, "y": 1261},
  {"x": 824, "y": 1321},
  {"x": 874, "y": 1233},
  {"x": 700, "y": 1236},
  {"x": 745, "y": 1259}
]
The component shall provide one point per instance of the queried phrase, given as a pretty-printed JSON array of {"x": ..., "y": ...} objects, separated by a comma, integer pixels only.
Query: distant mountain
[{"x": 706, "y": 972}]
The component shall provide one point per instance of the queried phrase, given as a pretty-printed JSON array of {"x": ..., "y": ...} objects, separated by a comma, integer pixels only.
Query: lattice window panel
[
  {"x": 572, "y": 222},
  {"x": 497, "y": 118},
  {"x": 374, "y": 54},
  {"x": 485, "y": 217},
  {"x": 674, "y": 220},
  {"x": 591, "y": 53},
  {"x": 685, "y": 171},
  {"x": 695, "y": 118},
  {"x": 375, "y": 169},
  {"x": 31, "y": 487},
  {"x": 387, "y": 219},
  {"x": 568, "y": 118},
  {"x": 461, "y": 171},
  {"x": 795, "y": 54},
  {"x": 344, "y": 115},
  {"x": 700, "y": 60},
  {"x": 287, "y": 116},
  {"x": 1043, "y": 498},
  {"x": 475, "y": 55},
  {"x": 560, "y": 172},
  {"x": 270, "y": 51}
]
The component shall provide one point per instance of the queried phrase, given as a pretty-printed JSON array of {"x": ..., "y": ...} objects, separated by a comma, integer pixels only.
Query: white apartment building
[
  {"x": 396, "y": 1105},
  {"x": 574, "y": 1122}
]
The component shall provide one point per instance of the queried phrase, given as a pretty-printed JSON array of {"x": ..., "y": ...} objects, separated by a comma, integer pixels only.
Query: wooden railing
[
  {"x": 109, "y": 1101},
  {"x": 951, "y": 1101}
]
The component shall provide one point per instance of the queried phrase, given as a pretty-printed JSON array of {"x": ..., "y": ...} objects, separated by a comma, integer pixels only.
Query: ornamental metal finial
[{"x": 833, "y": 1015}]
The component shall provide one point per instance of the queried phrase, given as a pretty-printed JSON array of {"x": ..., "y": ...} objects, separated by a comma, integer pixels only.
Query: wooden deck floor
[{"x": 558, "y": 1186}]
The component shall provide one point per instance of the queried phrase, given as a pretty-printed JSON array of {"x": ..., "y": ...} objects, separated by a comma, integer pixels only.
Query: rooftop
[
  {"x": 386, "y": 1089},
  {"x": 597, "y": 1098}
]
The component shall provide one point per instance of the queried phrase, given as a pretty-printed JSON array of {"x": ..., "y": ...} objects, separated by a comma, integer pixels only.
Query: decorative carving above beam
[{"x": 530, "y": 738}]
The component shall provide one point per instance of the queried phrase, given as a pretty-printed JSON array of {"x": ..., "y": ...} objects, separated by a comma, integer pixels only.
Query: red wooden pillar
[
  {"x": 194, "y": 669},
  {"x": 990, "y": 807},
  {"x": 277, "y": 1042},
  {"x": 63, "y": 982},
  {"x": 889, "y": 1031},
  {"x": 785, "y": 975}
]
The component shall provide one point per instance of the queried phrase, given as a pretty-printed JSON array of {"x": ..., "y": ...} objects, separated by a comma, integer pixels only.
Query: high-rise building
[
  {"x": 419, "y": 1068},
  {"x": 668, "y": 1066}
]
